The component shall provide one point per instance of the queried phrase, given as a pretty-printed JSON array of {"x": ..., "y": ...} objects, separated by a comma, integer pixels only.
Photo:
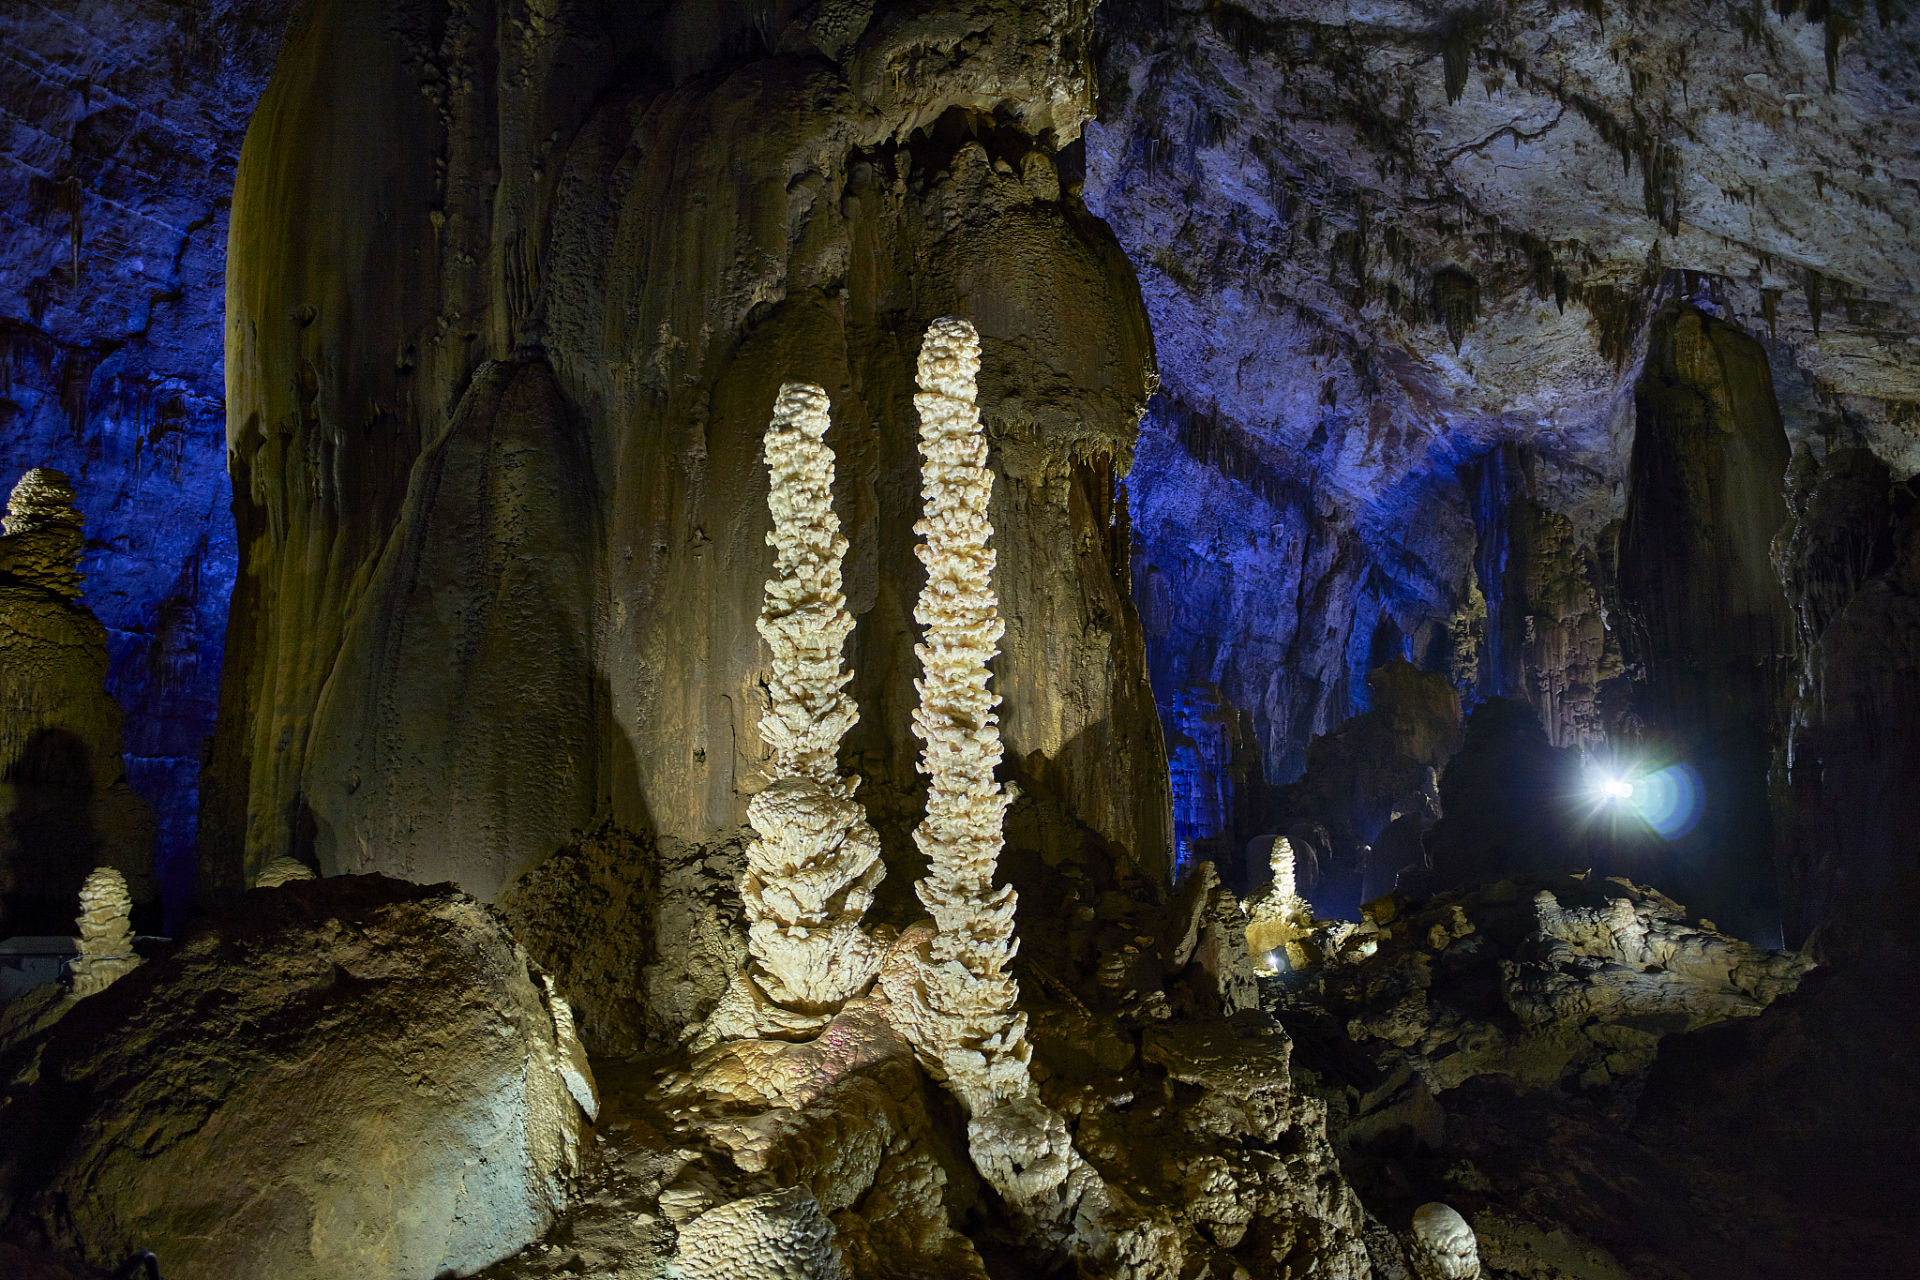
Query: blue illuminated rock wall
[{"x": 121, "y": 131}]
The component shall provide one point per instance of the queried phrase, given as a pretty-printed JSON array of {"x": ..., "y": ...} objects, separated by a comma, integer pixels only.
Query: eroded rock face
[
  {"x": 349, "y": 1076},
  {"x": 1708, "y": 471},
  {"x": 1851, "y": 565},
  {"x": 65, "y": 806}
]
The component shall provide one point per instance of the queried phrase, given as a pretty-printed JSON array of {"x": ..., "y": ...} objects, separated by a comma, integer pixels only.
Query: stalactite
[{"x": 810, "y": 876}]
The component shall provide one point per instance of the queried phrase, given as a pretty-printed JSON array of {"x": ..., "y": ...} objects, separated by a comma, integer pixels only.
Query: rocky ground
[{"x": 1600, "y": 1085}]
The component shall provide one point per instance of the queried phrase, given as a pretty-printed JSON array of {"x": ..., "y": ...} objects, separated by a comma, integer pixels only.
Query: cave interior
[{"x": 900, "y": 639}]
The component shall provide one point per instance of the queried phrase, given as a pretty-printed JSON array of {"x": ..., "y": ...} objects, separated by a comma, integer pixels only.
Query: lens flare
[
  {"x": 1618, "y": 789},
  {"x": 1670, "y": 800}
]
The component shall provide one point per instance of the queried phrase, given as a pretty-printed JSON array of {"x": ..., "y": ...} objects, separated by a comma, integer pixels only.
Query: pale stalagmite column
[
  {"x": 948, "y": 985},
  {"x": 810, "y": 876},
  {"x": 106, "y": 933},
  {"x": 957, "y": 1004}
]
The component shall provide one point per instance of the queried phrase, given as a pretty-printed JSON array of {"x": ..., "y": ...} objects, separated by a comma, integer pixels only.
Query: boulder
[{"x": 353, "y": 1076}]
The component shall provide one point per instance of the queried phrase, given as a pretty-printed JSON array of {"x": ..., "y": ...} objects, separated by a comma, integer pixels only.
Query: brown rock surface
[{"x": 352, "y": 1076}]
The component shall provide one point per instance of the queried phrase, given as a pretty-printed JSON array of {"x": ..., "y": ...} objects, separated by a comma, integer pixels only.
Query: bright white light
[
  {"x": 1273, "y": 960},
  {"x": 1619, "y": 789}
]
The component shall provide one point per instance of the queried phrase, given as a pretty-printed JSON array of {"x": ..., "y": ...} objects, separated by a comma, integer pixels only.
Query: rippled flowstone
[{"x": 344, "y": 1077}]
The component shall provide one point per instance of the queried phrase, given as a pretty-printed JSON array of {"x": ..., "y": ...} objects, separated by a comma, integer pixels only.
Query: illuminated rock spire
[
  {"x": 957, "y": 1002},
  {"x": 810, "y": 875}
]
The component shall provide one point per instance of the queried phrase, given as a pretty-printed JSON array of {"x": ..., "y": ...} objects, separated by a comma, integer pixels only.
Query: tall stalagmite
[
  {"x": 811, "y": 873},
  {"x": 960, "y": 1010}
]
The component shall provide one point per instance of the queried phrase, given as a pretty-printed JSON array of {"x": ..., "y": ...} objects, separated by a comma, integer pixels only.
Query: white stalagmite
[
  {"x": 1279, "y": 920},
  {"x": 106, "y": 934},
  {"x": 957, "y": 1002},
  {"x": 810, "y": 875}
]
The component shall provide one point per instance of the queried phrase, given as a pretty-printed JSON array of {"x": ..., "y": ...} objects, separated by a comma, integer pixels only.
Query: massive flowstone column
[{"x": 810, "y": 875}]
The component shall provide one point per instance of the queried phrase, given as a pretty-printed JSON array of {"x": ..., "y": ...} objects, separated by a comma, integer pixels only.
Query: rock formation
[
  {"x": 1443, "y": 1244},
  {"x": 1278, "y": 918},
  {"x": 1504, "y": 979},
  {"x": 43, "y": 532},
  {"x": 1548, "y": 363},
  {"x": 346, "y": 1076},
  {"x": 106, "y": 937},
  {"x": 959, "y": 1006},
  {"x": 811, "y": 873},
  {"x": 282, "y": 870},
  {"x": 65, "y": 806}
]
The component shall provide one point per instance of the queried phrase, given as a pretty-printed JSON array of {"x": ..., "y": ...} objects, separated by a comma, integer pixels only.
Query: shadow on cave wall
[{"x": 55, "y": 841}]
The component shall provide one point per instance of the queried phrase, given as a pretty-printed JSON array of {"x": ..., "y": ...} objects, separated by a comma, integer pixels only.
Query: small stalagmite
[
  {"x": 1278, "y": 918},
  {"x": 1444, "y": 1247},
  {"x": 106, "y": 934},
  {"x": 281, "y": 869}
]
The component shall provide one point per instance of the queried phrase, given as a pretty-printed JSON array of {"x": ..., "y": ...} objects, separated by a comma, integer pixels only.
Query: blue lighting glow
[{"x": 1670, "y": 800}]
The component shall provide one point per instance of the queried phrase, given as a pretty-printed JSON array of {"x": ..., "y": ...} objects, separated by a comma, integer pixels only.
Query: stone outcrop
[
  {"x": 282, "y": 870},
  {"x": 825, "y": 1159},
  {"x": 106, "y": 937},
  {"x": 1568, "y": 982},
  {"x": 65, "y": 806},
  {"x": 344, "y": 1076}
]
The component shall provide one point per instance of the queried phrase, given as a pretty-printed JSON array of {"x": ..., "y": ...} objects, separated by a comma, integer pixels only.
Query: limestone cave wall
[{"x": 1406, "y": 267}]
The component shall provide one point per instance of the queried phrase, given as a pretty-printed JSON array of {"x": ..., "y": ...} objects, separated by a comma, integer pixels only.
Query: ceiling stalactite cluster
[{"x": 1439, "y": 474}]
